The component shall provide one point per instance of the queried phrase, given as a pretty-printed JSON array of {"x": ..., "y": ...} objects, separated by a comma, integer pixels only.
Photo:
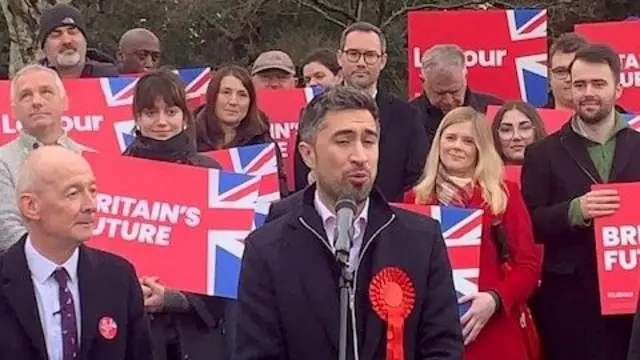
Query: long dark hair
[
  {"x": 210, "y": 132},
  {"x": 529, "y": 111},
  {"x": 166, "y": 85}
]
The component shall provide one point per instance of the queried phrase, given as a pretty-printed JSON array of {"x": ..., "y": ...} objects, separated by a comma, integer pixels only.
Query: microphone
[{"x": 345, "y": 214}]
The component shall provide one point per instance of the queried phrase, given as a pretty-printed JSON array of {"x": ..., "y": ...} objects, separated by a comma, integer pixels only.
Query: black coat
[
  {"x": 288, "y": 301},
  {"x": 108, "y": 287},
  {"x": 432, "y": 116},
  {"x": 556, "y": 170},
  {"x": 403, "y": 149},
  {"x": 201, "y": 329}
]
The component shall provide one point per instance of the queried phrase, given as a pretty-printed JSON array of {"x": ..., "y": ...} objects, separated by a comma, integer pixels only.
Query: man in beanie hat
[
  {"x": 63, "y": 38},
  {"x": 274, "y": 70}
]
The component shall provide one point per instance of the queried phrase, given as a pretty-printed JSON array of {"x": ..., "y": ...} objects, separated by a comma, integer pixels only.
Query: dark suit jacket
[
  {"x": 432, "y": 116},
  {"x": 108, "y": 287},
  {"x": 284, "y": 206},
  {"x": 556, "y": 170},
  {"x": 289, "y": 297},
  {"x": 403, "y": 149}
]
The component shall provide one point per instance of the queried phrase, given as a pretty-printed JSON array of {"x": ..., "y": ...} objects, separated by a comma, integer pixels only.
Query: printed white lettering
[
  {"x": 629, "y": 61},
  {"x": 630, "y": 79},
  {"x": 481, "y": 58},
  {"x": 626, "y": 259},
  {"x": 75, "y": 123},
  {"x": 137, "y": 219},
  {"x": 282, "y": 131}
]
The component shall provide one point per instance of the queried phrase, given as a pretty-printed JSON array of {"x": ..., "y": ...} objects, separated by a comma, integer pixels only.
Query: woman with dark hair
[
  {"x": 231, "y": 118},
  {"x": 183, "y": 325},
  {"x": 320, "y": 67},
  {"x": 516, "y": 126}
]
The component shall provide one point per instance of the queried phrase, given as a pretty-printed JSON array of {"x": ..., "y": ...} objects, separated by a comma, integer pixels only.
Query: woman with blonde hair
[{"x": 464, "y": 170}]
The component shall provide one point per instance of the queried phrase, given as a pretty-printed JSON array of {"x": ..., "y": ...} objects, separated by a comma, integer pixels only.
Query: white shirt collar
[
  {"x": 327, "y": 215},
  {"x": 42, "y": 268}
]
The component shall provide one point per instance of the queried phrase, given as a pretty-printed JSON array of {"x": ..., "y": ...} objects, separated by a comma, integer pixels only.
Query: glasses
[
  {"x": 560, "y": 72},
  {"x": 370, "y": 57},
  {"x": 509, "y": 132}
]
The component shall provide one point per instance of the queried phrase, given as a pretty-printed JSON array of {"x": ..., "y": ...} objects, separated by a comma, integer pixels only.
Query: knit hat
[{"x": 60, "y": 15}]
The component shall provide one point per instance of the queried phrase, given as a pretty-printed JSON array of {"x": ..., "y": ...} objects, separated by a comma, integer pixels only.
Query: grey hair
[
  {"x": 443, "y": 55},
  {"x": 36, "y": 67},
  {"x": 333, "y": 98}
]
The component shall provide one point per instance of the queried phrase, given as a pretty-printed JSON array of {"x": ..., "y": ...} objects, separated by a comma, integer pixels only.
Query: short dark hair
[
  {"x": 333, "y": 98},
  {"x": 600, "y": 54},
  {"x": 323, "y": 56},
  {"x": 567, "y": 43},
  {"x": 363, "y": 26},
  {"x": 161, "y": 84}
]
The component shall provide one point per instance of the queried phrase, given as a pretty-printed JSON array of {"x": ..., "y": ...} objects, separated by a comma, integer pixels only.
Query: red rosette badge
[{"x": 393, "y": 296}]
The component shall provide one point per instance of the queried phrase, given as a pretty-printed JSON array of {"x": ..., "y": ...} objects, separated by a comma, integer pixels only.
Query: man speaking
[{"x": 289, "y": 296}]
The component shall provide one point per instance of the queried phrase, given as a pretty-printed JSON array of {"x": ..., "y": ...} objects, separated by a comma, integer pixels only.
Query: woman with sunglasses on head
[{"x": 183, "y": 325}]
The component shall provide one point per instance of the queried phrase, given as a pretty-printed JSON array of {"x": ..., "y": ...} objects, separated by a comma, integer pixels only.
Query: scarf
[
  {"x": 452, "y": 190},
  {"x": 176, "y": 149}
]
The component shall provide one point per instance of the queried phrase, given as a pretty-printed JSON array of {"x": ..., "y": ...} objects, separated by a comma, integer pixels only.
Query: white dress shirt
[
  {"x": 329, "y": 221},
  {"x": 47, "y": 295}
]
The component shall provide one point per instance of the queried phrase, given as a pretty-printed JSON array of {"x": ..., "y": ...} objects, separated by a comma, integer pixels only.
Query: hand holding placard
[{"x": 602, "y": 202}]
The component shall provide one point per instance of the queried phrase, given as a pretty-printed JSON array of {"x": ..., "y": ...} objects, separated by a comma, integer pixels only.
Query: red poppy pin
[
  {"x": 393, "y": 297},
  {"x": 108, "y": 327}
]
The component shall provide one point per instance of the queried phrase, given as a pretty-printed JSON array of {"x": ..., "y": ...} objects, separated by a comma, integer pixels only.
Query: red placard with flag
[
  {"x": 284, "y": 107},
  {"x": 257, "y": 160},
  {"x": 462, "y": 231},
  {"x": 511, "y": 63},
  {"x": 99, "y": 114},
  {"x": 618, "y": 252},
  {"x": 185, "y": 233},
  {"x": 622, "y": 37}
]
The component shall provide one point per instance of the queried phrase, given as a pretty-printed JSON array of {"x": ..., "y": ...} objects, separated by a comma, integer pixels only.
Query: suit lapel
[
  {"x": 625, "y": 148},
  {"x": 18, "y": 289},
  {"x": 576, "y": 147},
  {"x": 90, "y": 300}
]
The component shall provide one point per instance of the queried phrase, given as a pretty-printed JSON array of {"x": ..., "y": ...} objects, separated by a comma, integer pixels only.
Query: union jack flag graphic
[
  {"x": 118, "y": 91},
  {"x": 462, "y": 231},
  {"x": 257, "y": 160},
  {"x": 234, "y": 196},
  {"x": 224, "y": 261},
  {"x": 632, "y": 120},
  {"x": 528, "y": 24},
  {"x": 124, "y": 133}
]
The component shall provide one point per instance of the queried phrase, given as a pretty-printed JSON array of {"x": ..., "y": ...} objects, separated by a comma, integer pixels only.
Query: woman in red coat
[{"x": 464, "y": 170}]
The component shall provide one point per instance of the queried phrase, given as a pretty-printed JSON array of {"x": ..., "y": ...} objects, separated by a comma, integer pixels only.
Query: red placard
[
  {"x": 515, "y": 52},
  {"x": 618, "y": 252},
  {"x": 622, "y": 37},
  {"x": 173, "y": 232},
  {"x": 553, "y": 119}
]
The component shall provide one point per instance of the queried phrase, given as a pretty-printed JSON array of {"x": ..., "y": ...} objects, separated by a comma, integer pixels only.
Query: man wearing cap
[
  {"x": 274, "y": 70},
  {"x": 63, "y": 38}
]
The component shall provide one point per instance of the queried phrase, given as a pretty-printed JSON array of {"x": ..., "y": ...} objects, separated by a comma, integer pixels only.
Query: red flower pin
[{"x": 393, "y": 296}]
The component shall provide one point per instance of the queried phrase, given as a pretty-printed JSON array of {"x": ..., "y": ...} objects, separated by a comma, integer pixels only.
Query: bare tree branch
[
  {"x": 406, "y": 9},
  {"x": 382, "y": 10},
  {"x": 323, "y": 4},
  {"x": 326, "y": 15}
]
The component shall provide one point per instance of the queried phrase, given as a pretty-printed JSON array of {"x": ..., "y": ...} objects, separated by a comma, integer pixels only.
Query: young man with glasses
[
  {"x": 404, "y": 143},
  {"x": 561, "y": 54}
]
